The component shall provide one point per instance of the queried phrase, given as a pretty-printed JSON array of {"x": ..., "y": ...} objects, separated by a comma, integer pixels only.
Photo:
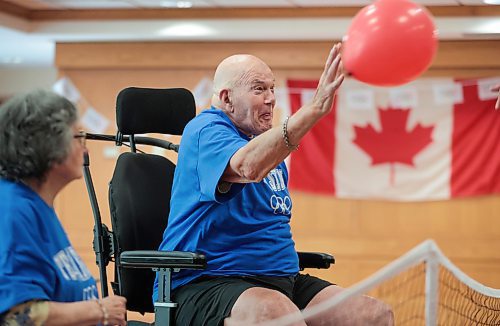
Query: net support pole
[{"x": 431, "y": 289}]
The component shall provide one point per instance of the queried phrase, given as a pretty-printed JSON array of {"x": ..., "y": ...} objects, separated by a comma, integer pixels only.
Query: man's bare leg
[
  {"x": 360, "y": 310},
  {"x": 257, "y": 305}
]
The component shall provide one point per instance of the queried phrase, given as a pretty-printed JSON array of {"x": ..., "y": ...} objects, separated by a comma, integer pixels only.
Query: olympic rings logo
[{"x": 281, "y": 205}]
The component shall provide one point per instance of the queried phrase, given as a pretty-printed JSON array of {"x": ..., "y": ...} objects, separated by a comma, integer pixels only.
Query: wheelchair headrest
[{"x": 145, "y": 110}]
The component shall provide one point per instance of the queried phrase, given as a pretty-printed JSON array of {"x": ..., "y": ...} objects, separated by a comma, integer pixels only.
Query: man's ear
[{"x": 225, "y": 99}]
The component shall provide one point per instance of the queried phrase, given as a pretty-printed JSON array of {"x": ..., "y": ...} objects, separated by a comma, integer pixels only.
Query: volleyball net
[{"x": 423, "y": 287}]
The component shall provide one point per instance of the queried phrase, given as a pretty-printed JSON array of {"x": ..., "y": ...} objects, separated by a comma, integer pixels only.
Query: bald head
[{"x": 234, "y": 71}]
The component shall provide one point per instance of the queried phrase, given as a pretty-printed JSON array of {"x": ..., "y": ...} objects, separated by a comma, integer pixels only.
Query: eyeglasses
[{"x": 82, "y": 137}]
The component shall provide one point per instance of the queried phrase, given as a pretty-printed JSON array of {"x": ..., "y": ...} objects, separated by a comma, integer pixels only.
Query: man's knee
[
  {"x": 380, "y": 313},
  {"x": 358, "y": 310},
  {"x": 273, "y": 305},
  {"x": 258, "y": 305}
]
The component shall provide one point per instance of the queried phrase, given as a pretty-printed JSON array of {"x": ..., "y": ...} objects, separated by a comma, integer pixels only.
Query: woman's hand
[{"x": 115, "y": 307}]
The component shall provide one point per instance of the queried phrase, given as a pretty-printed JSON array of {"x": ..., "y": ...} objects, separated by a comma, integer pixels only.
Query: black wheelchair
[{"x": 139, "y": 200}]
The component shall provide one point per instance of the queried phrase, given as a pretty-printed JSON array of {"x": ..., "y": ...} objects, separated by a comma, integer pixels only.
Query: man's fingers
[
  {"x": 496, "y": 88},
  {"x": 328, "y": 64},
  {"x": 340, "y": 70},
  {"x": 338, "y": 81},
  {"x": 333, "y": 53},
  {"x": 335, "y": 67}
]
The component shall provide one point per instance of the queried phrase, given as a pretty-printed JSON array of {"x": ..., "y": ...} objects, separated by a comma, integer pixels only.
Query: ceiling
[
  {"x": 29, "y": 28},
  {"x": 94, "y": 4}
]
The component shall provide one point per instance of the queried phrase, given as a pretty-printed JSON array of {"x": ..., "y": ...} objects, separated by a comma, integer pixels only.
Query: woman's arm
[{"x": 108, "y": 311}]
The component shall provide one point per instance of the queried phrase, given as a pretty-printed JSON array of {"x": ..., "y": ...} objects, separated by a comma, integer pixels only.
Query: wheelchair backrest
[{"x": 139, "y": 191}]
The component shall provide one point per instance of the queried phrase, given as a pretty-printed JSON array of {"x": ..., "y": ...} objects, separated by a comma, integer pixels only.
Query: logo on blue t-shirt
[
  {"x": 279, "y": 204},
  {"x": 275, "y": 180},
  {"x": 71, "y": 266},
  {"x": 90, "y": 293}
]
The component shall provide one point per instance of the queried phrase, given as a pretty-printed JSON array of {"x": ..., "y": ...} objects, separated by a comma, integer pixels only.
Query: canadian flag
[{"x": 428, "y": 140}]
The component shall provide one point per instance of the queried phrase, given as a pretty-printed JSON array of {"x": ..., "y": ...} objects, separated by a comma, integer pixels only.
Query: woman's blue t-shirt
[{"x": 37, "y": 260}]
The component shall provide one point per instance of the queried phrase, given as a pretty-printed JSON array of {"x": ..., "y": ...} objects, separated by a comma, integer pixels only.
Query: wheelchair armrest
[
  {"x": 315, "y": 260},
  {"x": 162, "y": 259}
]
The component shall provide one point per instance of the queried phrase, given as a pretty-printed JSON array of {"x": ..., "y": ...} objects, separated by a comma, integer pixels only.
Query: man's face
[{"x": 253, "y": 101}]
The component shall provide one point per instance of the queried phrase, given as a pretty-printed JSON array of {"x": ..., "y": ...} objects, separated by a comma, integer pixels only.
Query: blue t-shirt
[
  {"x": 243, "y": 232},
  {"x": 37, "y": 260}
]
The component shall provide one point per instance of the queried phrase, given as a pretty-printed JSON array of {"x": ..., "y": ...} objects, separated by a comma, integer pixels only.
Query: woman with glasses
[{"x": 42, "y": 278}]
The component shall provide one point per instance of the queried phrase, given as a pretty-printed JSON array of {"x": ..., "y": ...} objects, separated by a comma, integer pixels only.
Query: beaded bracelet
[
  {"x": 105, "y": 314},
  {"x": 285, "y": 137}
]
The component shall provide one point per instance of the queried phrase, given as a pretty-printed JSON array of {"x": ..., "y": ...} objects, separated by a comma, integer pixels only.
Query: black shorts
[{"x": 209, "y": 300}]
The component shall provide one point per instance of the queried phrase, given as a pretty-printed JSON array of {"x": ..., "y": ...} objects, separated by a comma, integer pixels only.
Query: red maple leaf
[{"x": 393, "y": 143}]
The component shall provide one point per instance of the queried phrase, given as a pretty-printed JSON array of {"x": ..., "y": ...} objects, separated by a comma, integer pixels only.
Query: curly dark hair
[{"x": 35, "y": 132}]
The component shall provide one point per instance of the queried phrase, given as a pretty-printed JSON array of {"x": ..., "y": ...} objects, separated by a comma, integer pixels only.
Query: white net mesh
[
  {"x": 424, "y": 288},
  {"x": 405, "y": 293}
]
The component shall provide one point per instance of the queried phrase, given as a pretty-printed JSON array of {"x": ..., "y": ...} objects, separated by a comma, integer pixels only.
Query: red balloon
[{"x": 389, "y": 43}]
